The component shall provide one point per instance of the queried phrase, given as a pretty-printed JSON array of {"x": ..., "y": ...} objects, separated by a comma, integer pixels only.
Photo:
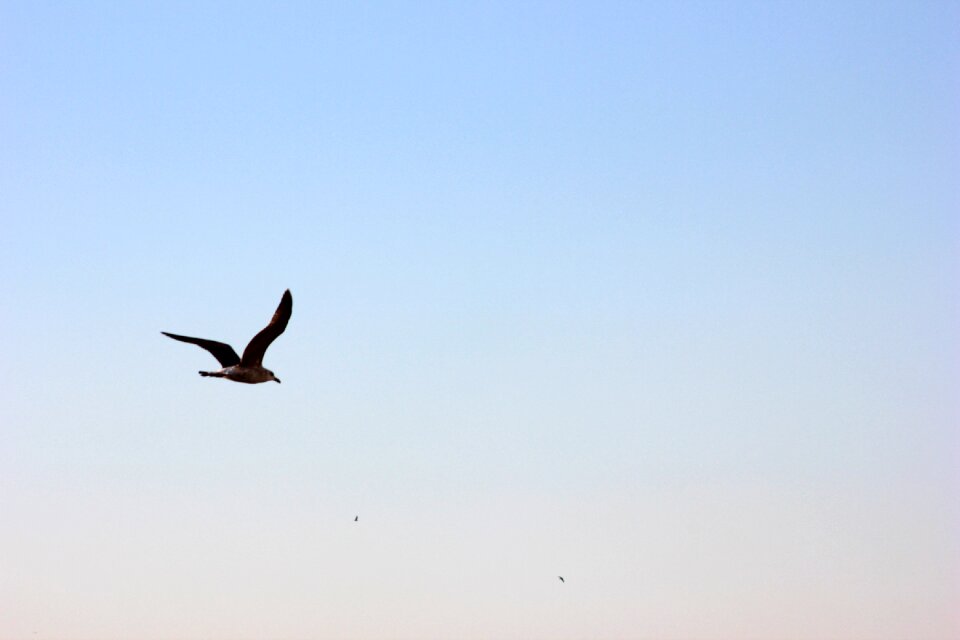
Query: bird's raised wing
[
  {"x": 253, "y": 354},
  {"x": 224, "y": 353}
]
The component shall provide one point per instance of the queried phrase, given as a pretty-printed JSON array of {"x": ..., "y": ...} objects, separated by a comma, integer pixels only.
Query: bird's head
[{"x": 273, "y": 377}]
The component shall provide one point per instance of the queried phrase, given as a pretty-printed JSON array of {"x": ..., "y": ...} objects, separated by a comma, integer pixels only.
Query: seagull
[
  {"x": 249, "y": 368},
  {"x": 561, "y": 579}
]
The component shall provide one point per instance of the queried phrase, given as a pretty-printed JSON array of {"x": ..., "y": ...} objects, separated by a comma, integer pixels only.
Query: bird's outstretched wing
[
  {"x": 253, "y": 354},
  {"x": 224, "y": 353}
]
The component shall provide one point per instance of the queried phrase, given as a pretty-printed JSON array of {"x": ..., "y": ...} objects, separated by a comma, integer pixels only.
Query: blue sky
[{"x": 661, "y": 297}]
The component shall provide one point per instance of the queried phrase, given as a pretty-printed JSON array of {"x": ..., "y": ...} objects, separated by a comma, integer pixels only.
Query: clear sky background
[{"x": 660, "y": 297}]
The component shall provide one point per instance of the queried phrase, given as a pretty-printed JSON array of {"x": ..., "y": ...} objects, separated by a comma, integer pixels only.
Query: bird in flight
[
  {"x": 356, "y": 518},
  {"x": 249, "y": 368},
  {"x": 561, "y": 579}
]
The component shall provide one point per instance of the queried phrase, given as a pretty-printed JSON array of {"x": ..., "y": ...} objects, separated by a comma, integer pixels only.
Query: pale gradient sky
[{"x": 660, "y": 297}]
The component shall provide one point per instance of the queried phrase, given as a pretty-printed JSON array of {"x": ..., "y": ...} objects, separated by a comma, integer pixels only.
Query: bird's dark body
[{"x": 237, "y": 373}]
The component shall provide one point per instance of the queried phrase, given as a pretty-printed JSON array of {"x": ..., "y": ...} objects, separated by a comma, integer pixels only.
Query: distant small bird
[
  {"x": 249, "y": 368},
  {"x": 561, "y": 579},
  {"x": 356, "y": 518}
]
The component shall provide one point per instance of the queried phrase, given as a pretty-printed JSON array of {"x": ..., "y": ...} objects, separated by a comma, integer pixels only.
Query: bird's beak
[{"x": 277, "y": 380}]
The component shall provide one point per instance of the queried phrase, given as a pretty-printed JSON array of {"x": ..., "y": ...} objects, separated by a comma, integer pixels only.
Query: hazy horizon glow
[{"x": 660, "y": 297}]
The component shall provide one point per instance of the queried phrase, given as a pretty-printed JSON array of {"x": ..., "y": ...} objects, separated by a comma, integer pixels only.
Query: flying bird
[
  {"x": 249, "y": 368},
  {"x": 561, "y": 579},
  {"x": 356, "y": 518}
]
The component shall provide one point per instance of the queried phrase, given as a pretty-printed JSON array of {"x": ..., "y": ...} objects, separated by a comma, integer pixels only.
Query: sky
[{"x": 660, "y": 297}]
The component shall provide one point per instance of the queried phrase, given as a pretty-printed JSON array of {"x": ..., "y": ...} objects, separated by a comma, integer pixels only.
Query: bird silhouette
[
  {"x": 249, "y": 368},
  {"x": 356, "y": 518},
  {"x": 561, "y": 579}
]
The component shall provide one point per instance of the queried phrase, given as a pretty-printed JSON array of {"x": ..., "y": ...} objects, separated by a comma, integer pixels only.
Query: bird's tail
[{"x": 210, "y": 374}]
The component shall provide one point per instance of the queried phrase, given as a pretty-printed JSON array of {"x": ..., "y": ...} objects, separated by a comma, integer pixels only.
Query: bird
[
  {"x": 249, "y": 368},
  {"x": 356, "y": 518},
  {"x": 561, "y": 579}
]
